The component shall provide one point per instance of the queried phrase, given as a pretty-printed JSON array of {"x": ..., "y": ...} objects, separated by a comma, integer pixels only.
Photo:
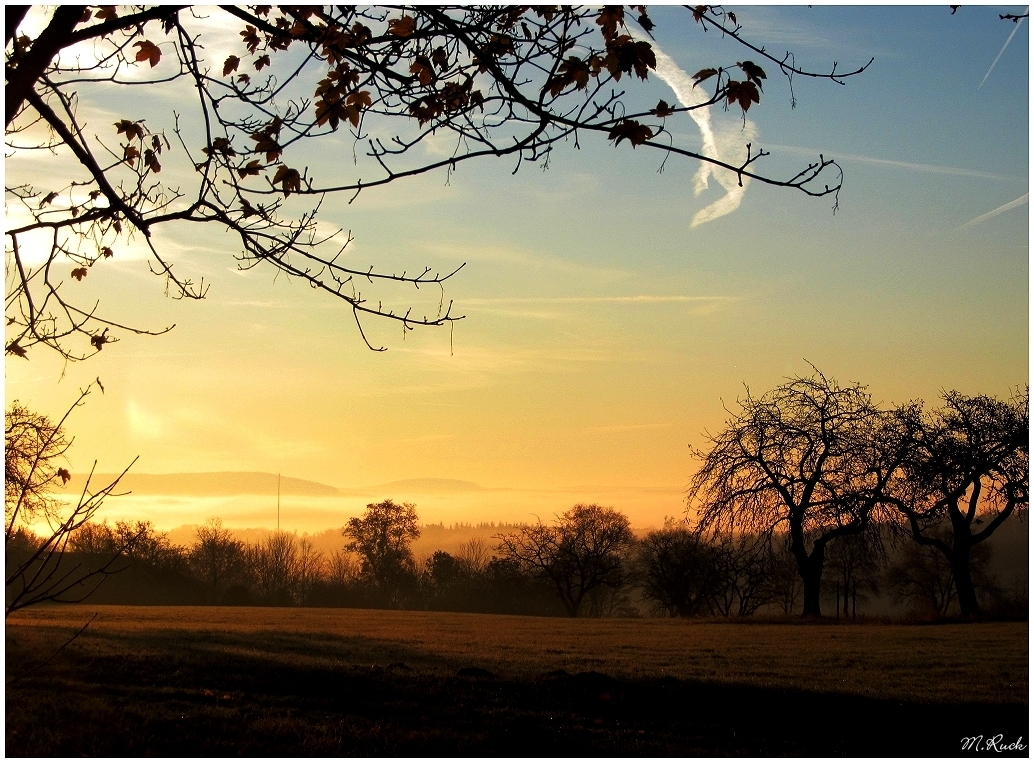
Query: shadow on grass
[{"x": 216, "y": 694}]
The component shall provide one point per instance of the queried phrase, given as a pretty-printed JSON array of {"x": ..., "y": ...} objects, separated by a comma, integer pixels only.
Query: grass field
[{"x": 182, "y": 680}]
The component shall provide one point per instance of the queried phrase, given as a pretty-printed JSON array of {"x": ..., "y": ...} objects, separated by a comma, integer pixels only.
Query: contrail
[
  {"x": 723, "y": 146},
  {"x": 1007, "y": 41},
  {"x": 995, "y": 212}
]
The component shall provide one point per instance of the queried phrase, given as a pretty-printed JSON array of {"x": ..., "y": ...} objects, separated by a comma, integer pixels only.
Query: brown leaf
[
  {"x": 251, "y": 168},
  {"x": 403, "y": 27},
  {"x": 65, "y": 475},
  {"x": 131, "y": 155},
  {"x": 151, "y": 160},
  {"x": 130, "y": 128},
  {"x": 423, "y": 70},
  {"x": 625, "y": 55},
  {"x": 107, "y": 12},
  {"x": 440, "y": 58},
  {"x": 260, "y": 62},
  {"x": 636, "y": 133},
  {"x": 703, "y": 75},
  {"x": 47, "y": 199},
  {"x": 106, "y": 251},
  {"x": 289, "y": 179},
  {"x": 148, "y": 52},
  {"x": 16, "y": 349},
  {"x": 268, "y": 144},
  {"x": 663, "y": 109},
  {"x": 611, "y": 16},
  {"x": 230, "y": 65},
  {"x": 98, "y": 341},
  {"x": 79, "y": 274},
  {"x": 744, "y": 93},
  {"x": 251, "y": 39},
  {"x": 360, "y": 99},
  {"x": 754, "y": 72}
]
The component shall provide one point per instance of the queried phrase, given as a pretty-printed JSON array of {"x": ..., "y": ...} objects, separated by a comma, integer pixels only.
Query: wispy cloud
[
  {"x": 623, "y": 428},
  {"x": 630, "y": 299},
  {"x": 528, "y": 260},
  {"x": 719, "y": 143},
  {"x": 994, "y": 63},
  {"x": 997, "y": 211},
  {"x": 935, "y": 169}
]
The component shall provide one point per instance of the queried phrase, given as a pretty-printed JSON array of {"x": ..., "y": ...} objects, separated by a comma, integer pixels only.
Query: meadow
[{"x": 214, "y": 680}]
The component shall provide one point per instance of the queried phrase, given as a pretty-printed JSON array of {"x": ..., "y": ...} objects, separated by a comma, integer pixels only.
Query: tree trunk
[
  {"x": 811, "y": 573},
  {"x": 964, "y": 580}
]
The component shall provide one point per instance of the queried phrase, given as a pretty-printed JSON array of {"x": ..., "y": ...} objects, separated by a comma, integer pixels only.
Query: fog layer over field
[{"x": 249, "y": 499}]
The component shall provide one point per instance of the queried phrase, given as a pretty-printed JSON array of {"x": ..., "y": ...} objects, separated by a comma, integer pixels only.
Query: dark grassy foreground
[{"x": 280, "y": 682}]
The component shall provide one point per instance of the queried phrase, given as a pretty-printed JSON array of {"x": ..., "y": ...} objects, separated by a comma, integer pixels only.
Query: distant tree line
[{"x": 809, "y": 479}]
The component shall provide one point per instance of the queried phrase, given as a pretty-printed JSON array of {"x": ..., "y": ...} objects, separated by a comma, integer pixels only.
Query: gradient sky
[{"x": 603, "y": 332}]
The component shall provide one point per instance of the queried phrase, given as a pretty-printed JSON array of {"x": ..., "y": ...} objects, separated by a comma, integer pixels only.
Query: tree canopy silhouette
[
  {"x": 34, "y": 463},
  {"x": 381, "y": 538},
  {"x": 501, "y": 81},
  {"x": 581, "y": 553},
  {"x": 968, "y": 472},
  {"x": 811, "y": 458}
]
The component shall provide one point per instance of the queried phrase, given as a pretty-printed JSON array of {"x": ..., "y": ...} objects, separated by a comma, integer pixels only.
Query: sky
[{"x": 613, "y": 312}]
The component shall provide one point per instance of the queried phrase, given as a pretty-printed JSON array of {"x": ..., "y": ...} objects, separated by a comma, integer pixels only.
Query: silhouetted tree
[
  {"x": 676, "y": 570},
  {"x": 273, "y": 566},
  {"x": 857, "y": 560},
  {"x": 509, "y": 588},
  {"x": 217, "y": 558},
  {"x": 966, "y": 474},
  {"x": 810, "y": 457},
  {"x": 310, "y": 569},
  {"x": 473, "y": 557},
  {"x": 37, "y": 569},
  {"x": 784, "y": 580},
  {"x": 498, "y": 81},
  {"x": 741, "y": 567},
  {"x": 581, "y": 552},
  {"x": 381, "y": 538},
  {"x": 922, "y": 577},
  {"x": 445, "y": 582}
]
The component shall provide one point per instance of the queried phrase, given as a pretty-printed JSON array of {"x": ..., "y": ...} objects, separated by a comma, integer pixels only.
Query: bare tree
[
  {"x": 675, "y": 568},
  {"x": 310, "y": 568},
  {"x": 583, "y": 551},
  {"x": 741, "y": 571},
  {"x": 922, "y": 577},
  {"x": 273, "y": 563},
  {"x": 968, "y": 472},
  {"x": 498, "y": 81},
  {"x": 34, "y": 453},
  {"x": 811, "y": 458},
  {"x": 858, "y": 560},
  {"x": 783, "y": 578},
  {"x": 217, "y": 558},
  {"x": 473, "y": 557}
]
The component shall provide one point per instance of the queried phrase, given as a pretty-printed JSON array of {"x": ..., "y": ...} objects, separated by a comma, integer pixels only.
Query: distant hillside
[
  {"x": 264, "y": 483},
  {"x": 206, "y": 484}
]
